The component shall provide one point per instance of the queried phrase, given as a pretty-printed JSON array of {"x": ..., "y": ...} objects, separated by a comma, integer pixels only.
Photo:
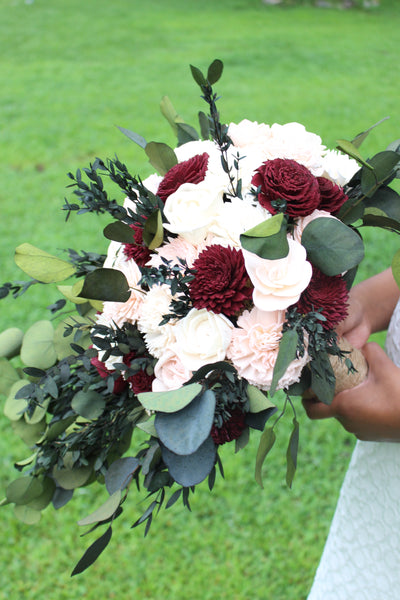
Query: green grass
[{"x": 70, "y": 72}]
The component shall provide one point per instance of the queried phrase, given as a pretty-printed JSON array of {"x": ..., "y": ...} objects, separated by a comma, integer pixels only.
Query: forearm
[{"x": 378, "y": 296}]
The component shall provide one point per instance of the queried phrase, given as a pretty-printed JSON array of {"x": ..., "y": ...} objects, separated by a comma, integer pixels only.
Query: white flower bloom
[
  {"x": 192, "y": 208},
  {"x": 339, "y": 167},
  {"x": 278, "y": 283},
  {"x": 176, "y": 248},
  {"x": 202, "y": 337},
  {"x": 235, "y": 218},
  {"x": 248, "y": 133},
  {"x": 155, "y": 305},
  {"x": 158, "y": 341},
  {"x": 121, "y": 312}
]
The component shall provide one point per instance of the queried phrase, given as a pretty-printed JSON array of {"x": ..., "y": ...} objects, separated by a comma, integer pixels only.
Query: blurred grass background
[{"x": 71, "y": 71}]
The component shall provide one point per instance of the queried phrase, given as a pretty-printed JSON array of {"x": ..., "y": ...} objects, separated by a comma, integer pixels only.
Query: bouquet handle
[{"x": 346, "y": 379}]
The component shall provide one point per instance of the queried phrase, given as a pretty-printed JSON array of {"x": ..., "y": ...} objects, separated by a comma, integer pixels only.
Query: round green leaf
[
  {"x": 332, "y": 246},
  {"x": 42, "y": 266},
  {"x": 184, "y": 431},
  {"x": 14, "y": 407},
  {"x": 10, "y": 342},
  {"x": 24, "y": 489},
  {"x": 170, "y": 401},
  {"x": 120, "y": 473},
  {"x": 38, "y": 346},
  {"x": 38, "y": 414},
  {"x": 40, "y": 502},
  {"x": 69, "y": 479},
  {"x": 8, "y": 376},
  {"x": 105, "y": 511},
  {"x": 191, "y": 470},
  {"x": 267, "y": 239},
  {"x": 258, "y": 400},
  {"x": 88, "y": 405},
  {"x": 106, "y": 285},
  {"x": 30, "y": 434},
  {"x": 161, "y": 156},
  {"x": 27, "y": 515}
]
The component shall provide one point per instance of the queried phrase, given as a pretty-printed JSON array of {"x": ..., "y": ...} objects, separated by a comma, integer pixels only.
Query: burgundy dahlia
[
  {"x": 119, "y": 383},
  {"x": 332, "y": 195},
  {"x": 221, "y": 283},
  {"x": 231, "y": 429},
  {"x": 192, "y": 170},
  {"x": 285, "y": 181},
  {"x": 327, "y": 294},
  {"x": 137, "y": 250}
]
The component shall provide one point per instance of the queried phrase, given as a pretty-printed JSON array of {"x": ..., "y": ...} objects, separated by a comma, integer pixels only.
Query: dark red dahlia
[
  {"x": 329, "y": 294},
  {"x": 332, "y": 195},
  {"x": 221, "y": 283},
  {"x": 231, "y": 429},
  {"x": 192, "y": 170},
  {"x": 119, "y": 383},
  {"x": 138, "y": 251},
  {"x": 140, "y": 382},
  {"x": 286, "y": 182}
]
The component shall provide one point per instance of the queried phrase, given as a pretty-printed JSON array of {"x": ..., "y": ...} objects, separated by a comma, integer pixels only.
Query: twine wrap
[{"x": 346, "y": 380}]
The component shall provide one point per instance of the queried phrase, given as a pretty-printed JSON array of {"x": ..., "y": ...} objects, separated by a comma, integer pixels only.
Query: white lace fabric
[{"x": 361, "y": 558}]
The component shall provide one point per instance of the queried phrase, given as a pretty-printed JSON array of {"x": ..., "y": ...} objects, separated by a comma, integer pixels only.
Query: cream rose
[
  {"x": 339, "y": 167},
  {"x": 246, "y": 133},
  {"x": 192, "y": 208},
  {"x": 302, "y": 222},
  {"x": 235, "y": 218},
  {"x": 278, "y": 283},
  {"x": 254, "y": 349},
  {"x": 170, "y": 373},
  {"x": 202, "y": 337}
]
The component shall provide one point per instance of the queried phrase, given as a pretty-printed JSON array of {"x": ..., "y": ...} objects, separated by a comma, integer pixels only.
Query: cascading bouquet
[{"x": 225, "y": 278}]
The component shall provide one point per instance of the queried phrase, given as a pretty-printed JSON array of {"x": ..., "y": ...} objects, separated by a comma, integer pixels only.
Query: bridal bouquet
[{"x": 226, "y": 275}]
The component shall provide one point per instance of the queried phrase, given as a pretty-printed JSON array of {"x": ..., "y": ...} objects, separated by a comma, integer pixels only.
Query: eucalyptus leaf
[
  {"x": 258, "y": 400},
  {"x": 153, "y": 231},
  {"x": 10, "y": 342},
  {"x": 38, "y": 346},
  {"x": 286, "y": 354},
  {"x": 88, "y": 404},
  {"x": 24, "y": 489},
  {"x": 169, "y": 112},
  {"x": 40, "y": 502},
  {"x": 204, "y": 125},
  {"x": 352, "y": 151},
  {"x": 93, "y": 552},
  {"x": 382, "y": 164},
  {"x": 170, "y": 401},
  {"x": 242, "y": 441},
  {"x": 184, "y": 431},
  {"x": 105, "y": 511},
  {"x": 194, "y": 468},
  {"x": 42, "y": 266},
  {"x": 186, "y": 134},
  {"x": 27, "y": 515},
  {"x": 135, "y": 137},
  {"x": 70, "y": 292},
  {"x": 61, "y": 497},
  {"x": 147, "y": 427},
  {"x": 106, "y": 285},
  {"x": 358, "y": 140},
  {"x": 267, "y": 239},
  {"x": 161, "y": 156},
  {"x": 291, "y": 454},
  {"x": 8, "y": 376},
  {"x": 120, "y": 473},
  {"x": 29, "y": 433},
  {"x": 69, "y": 479},
  {"x": 259, "y": 419},
  {"x": 267, "y": 440},
  {"x": 332, "y": 246},
  {"x": 119, "y": 232},
  {"x": 15, "y": 407},
  {"x": 38, "y": 414}
]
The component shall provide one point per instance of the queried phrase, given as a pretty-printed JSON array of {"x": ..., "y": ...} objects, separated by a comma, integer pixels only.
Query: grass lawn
[{"x": 70, "y": 72}]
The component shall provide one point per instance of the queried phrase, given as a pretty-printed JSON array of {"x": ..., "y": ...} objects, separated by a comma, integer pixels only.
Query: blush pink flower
[{"x": 254, "y": 349}]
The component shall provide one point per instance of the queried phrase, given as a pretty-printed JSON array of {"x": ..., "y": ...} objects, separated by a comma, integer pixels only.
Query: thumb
[{"x": 374, "y": 355}]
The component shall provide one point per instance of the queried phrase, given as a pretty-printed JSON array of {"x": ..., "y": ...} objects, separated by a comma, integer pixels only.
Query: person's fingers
[{"x": 316, "y": 409}]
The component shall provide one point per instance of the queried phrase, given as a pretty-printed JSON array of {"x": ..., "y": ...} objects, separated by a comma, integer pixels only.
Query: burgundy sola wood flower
[
  {"x": 332, "y": 195},
  {"x": 286, "y": 180},
  {"x": 137, "y": 250},
  {"x": 231, "y": 429},
  {"x": 192, "y": 170},
  {"x": 221, "y": 283},
  {"x": 327, "y": 294}
]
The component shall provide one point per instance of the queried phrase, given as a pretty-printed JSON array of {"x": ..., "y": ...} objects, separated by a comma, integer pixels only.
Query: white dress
[{"x": 361, "y": 558}]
